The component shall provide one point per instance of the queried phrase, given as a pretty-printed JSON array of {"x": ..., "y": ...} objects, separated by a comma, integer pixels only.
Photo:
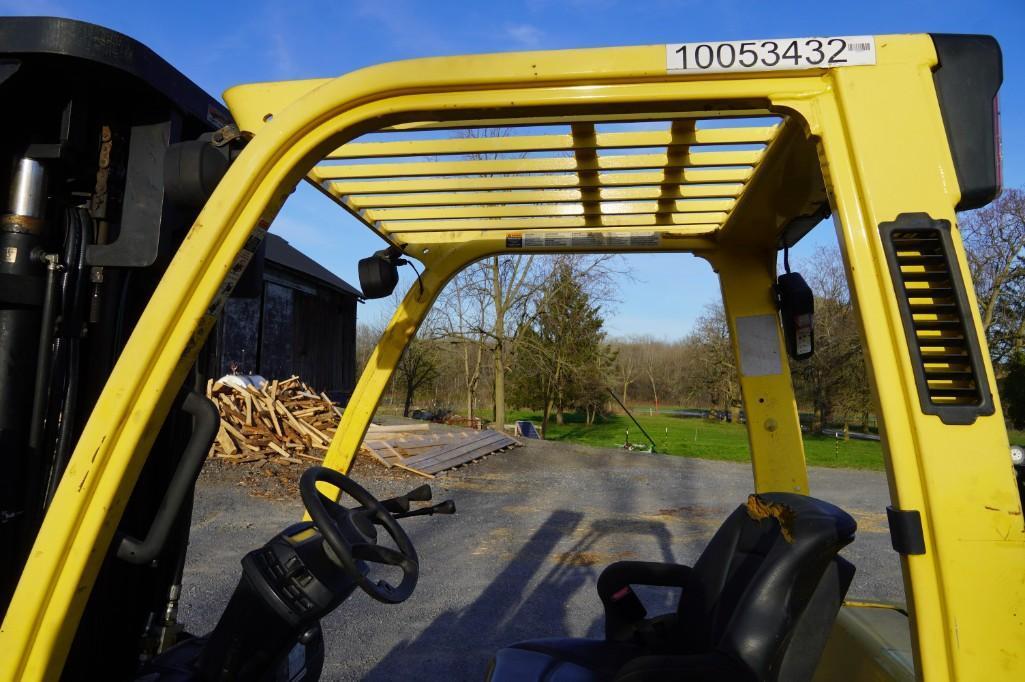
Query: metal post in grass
[{"x": 650, "y": 439}]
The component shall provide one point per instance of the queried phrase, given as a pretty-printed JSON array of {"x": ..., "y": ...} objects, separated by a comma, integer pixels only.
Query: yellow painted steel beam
[
  {"x": 553, "y": 196},
  {"x": 684, "y": 238},
  {"x": 545, "y": 210},
  {"x": 533, "y": 165},
  {"x": 532, "y": 182},
  {"x": 346, "y": 205},
  {"x": 681, "y": 129},
  {"x": 386, "y": 354},
  {"x": 766, "y": 205},
  {"x": 289, "y": 138},
  {"x": 558, "y": 222},
  {"x": 585, "y": 159},
  {"x": 773, "y": 426},
  {"x": 511, "y": 144},
  {"x": 965, "y": 593},
  {"x": 500, "y": 121}
]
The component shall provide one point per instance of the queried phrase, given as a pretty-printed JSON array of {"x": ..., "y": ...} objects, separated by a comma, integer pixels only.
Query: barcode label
[{"x": 770, "y": 55}]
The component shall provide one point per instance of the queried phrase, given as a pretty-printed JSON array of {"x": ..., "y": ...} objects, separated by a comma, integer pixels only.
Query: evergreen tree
[{"x": 562, "y": 357}]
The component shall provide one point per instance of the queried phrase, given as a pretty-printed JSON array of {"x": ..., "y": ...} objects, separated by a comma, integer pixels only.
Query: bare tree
[
  {"x": 367, "y": 336},
  {"x": 462, "y": 318},
  {"x": 716, "y": 373},
  {"x": 994, "y": 238},
  {"x": 416, "y": 370},
  {"x": 626, "y": 366},
  {"x": 514, "y": 282},
  {"x": 834, "y": 379},
  {"x": 652, "y": 364}
]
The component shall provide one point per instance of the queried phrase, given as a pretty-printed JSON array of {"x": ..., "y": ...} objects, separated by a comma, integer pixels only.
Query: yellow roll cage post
[{"x": 872, "y": 137}]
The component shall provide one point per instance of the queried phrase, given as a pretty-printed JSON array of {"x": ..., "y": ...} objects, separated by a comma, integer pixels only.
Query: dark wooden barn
[{"x": 301, "y": 319}]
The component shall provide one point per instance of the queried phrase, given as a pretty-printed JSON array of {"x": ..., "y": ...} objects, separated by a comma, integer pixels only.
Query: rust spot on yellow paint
[{"x": 759, "y": 508}]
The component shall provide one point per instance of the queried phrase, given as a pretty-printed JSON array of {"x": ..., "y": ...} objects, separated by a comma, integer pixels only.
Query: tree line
[{"x": 528, "y": 332}]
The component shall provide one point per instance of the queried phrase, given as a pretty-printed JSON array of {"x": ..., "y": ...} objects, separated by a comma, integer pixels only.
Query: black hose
[
  {"x": 70, "y": 350},
  {"x": 44, "y": 358},
  {"x": 62, "y": 450},
  {"x": 65, "y": 367}
]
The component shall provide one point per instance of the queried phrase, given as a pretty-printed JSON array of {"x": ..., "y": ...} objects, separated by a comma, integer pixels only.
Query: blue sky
[{"x": 226, "y": 43}]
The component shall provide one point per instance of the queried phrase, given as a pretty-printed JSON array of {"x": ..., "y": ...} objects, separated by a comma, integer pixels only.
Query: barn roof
[{"x": 284, "y": 254}]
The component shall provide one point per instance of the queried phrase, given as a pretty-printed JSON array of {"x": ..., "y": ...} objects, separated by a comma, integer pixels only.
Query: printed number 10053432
[{"x": 770, "y": 55}]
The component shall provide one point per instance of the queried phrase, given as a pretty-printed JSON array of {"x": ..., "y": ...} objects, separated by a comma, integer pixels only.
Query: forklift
[{"x": 138, "y": 206}]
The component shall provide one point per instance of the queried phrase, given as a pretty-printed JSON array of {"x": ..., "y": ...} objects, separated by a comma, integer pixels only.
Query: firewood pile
[
  {"x": 287, "y": 421},
  {"x": 282, "y": 419}
]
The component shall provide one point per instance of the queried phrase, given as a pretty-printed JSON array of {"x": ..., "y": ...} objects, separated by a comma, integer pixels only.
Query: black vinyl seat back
[{"x": 751, "y": 584}]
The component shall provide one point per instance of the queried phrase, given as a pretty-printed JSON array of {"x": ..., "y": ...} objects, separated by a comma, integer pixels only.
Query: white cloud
[
  {"x": 281, "y": 56},
  {"x": 524, "y": 35},
  {"x": 409, "y": 29}
]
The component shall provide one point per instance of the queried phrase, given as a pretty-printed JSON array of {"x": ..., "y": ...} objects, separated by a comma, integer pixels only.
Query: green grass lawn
[
  {"x": 1017, "y": 437},
  {"x": 695, "y": 437}
]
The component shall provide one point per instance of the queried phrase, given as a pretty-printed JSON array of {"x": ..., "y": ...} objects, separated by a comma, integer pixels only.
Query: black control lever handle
[
  {"x": 421, "y": 494},
  {"x": 400, "y": 504},
  {"x": 396, "y": 505},
  {"x": 446, "y": 507}
]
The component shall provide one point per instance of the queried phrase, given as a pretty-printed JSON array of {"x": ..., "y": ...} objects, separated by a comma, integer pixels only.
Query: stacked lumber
[
  {"x": 287, "y": 420},
  {"x": 283, "y": 419},
  {"x": 429, "y": 453}
]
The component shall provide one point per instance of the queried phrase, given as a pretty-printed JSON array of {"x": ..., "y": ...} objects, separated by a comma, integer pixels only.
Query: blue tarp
[{"x": 526, "y": 429}]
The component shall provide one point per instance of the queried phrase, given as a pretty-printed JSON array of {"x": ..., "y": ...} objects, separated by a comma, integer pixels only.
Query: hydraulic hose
[
  {"x": 45, "y": 342},
  {"x": 72, "y": 320}
]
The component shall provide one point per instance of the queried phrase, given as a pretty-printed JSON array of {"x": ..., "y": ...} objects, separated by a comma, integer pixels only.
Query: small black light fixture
[
  {"x": 379, "y": 274},
  {"x": 796, "y": 304}
]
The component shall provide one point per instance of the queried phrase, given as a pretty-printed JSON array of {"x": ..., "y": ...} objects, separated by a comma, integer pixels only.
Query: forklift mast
[{"x": 107, "y": 154}]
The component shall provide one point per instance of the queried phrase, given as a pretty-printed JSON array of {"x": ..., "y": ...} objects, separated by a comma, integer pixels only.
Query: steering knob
[{"x": 351, "y": 536}]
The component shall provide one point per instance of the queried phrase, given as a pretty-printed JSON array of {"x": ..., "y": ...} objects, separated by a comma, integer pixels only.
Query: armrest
[{"x": 623, "y": 609}]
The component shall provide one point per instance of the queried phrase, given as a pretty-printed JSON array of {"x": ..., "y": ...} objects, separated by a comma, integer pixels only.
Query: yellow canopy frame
[{"x": 619, "y": 155}]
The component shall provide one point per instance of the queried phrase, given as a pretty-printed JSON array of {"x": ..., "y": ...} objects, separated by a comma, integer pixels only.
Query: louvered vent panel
[{"x": 941, "y": 337}]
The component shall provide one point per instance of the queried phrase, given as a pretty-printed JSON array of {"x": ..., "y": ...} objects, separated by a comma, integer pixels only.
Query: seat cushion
[
  {"x": 561, "y": 660},
  {"x": 588, "y": 660},
  {"x": 710, "y": 667},
  {"x": 519, "y": 665}
]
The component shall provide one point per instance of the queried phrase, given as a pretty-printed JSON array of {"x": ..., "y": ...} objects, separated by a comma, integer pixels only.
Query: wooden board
[
  {"x": 435, "y": 451},
  {"x": 486, "y": 443}
]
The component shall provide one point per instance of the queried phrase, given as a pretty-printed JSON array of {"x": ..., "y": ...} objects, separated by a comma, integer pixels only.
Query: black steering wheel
[{"x": 351, "y": 536}]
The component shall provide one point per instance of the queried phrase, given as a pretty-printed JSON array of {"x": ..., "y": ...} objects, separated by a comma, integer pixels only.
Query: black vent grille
[{"x": 944, "y": 348}]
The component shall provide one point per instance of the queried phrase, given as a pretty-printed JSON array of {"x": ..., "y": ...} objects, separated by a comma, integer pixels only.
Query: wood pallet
[{"x": 432, "y": 453}]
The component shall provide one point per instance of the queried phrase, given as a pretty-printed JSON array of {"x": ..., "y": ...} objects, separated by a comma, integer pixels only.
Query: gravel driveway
[{"x": 534, "y": 527}]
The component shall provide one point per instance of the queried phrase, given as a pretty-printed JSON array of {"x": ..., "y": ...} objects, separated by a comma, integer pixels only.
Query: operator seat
[{"x": 769, "y": 575}]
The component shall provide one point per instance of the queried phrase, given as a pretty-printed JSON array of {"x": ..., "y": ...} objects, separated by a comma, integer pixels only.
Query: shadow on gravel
[{"x": 459, "y": 643}]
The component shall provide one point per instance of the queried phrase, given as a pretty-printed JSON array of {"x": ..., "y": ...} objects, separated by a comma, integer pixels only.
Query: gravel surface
[{"x": 519, "y": 560}]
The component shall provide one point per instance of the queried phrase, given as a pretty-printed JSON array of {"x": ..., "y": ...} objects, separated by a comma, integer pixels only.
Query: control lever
[
  {"x": 446, "y": 507},
  {"x": 400, "y": 504},
  {"x": 421, "y": 494}
]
